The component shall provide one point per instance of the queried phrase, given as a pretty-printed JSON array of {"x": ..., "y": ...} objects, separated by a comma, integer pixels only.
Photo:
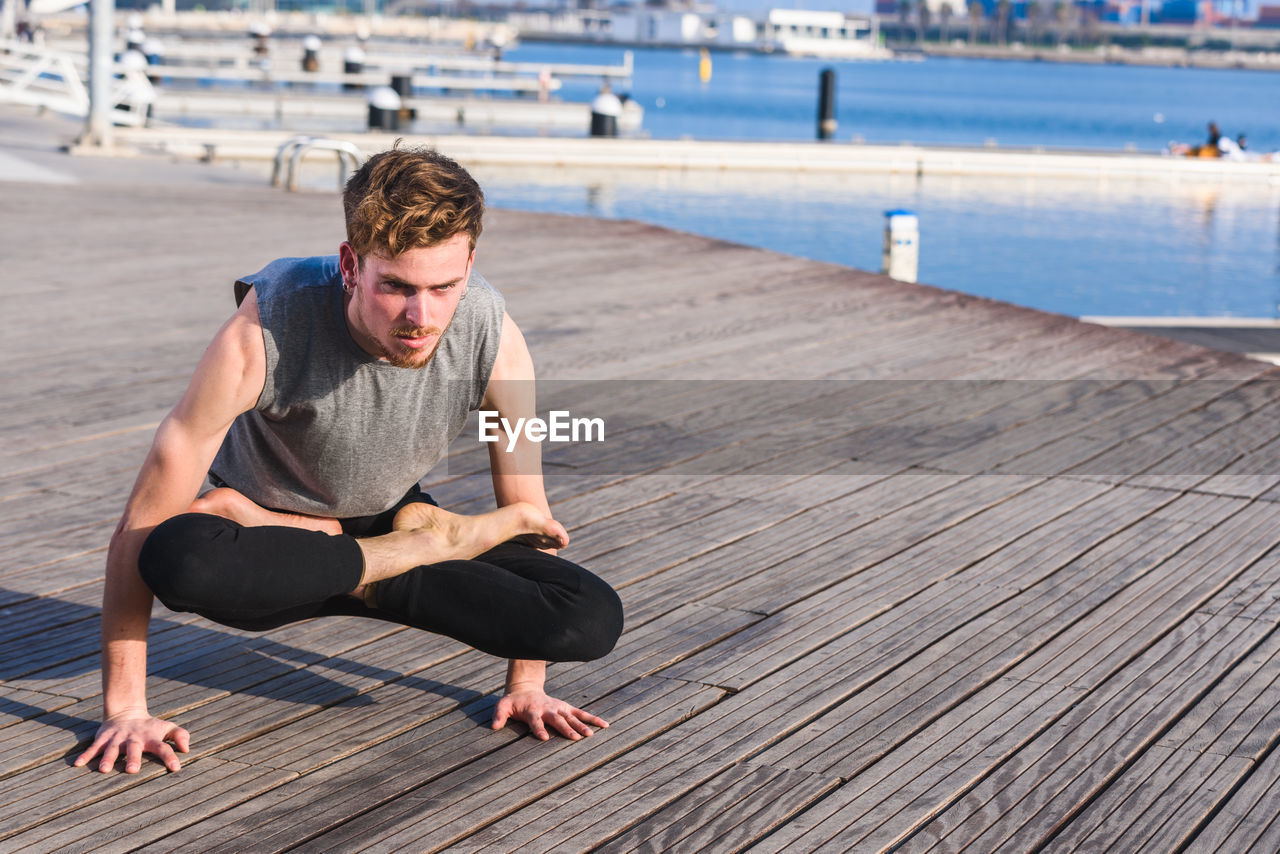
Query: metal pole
[
  {"x": 827, "y": 104},
  {"x": 98, "y": 131},
  {"x": 9, "y": 19}
]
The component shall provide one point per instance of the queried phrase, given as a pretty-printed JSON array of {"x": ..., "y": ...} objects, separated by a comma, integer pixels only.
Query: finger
[
  {"x": 181, "y": 739},
  {"x": 90, "y": 752},
  {"x": 562, "y": 726},
  {"x": 109, "y": 754},
  {"x": 132, "y": 757},
  {"x": 538, "y": 728},
  {"x": 581, "y": 728},
  {"x": 587, "y": 717},
  {"x": 166, "y": 755},
  {"x": 500, "y": 716}
]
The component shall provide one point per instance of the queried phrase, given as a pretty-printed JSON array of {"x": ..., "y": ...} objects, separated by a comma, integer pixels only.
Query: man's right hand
[{"x": 135, "y": 734}]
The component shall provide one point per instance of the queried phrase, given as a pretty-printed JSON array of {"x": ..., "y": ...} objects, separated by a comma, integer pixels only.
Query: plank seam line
[
  {"x": 950, "y": 576},
  {"x": 657, "y": 809},
  {"x": 998, "y": 675},
  {"x": 501, "y": 814},
  {"x": 1174, "y": 386},
  {"x": 1186, "y": 412},
  {"x": 1153, "y": 739},
  {"x": 52, "y": 594},
  {"x": 59, "y": 559}
]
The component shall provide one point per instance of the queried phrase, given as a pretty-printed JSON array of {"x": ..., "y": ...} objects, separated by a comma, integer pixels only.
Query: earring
[{"x": 348, "y": 287}]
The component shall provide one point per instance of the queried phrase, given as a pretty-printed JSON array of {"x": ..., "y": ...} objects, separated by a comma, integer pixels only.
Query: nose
[{"x": 417, "y": 309}]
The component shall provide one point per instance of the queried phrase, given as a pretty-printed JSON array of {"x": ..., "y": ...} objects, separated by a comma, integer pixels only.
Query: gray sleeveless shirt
[{"x": 336, "y": 431}]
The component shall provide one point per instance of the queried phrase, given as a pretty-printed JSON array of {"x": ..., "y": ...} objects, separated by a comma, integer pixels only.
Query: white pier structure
[{"x": 55, "y": 80}]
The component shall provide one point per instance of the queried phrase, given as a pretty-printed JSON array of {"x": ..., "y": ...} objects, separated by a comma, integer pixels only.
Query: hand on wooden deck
[
  {"x": 136, "y": 735},
  {"x": 540, "y": 711}
]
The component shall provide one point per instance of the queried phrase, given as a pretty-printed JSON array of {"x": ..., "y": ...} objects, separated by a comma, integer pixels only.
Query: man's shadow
[{"x": 59, "y": 640}]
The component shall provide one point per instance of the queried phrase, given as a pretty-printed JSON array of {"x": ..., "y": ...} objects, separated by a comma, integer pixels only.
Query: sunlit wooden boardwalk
[{"x": 1011, "y": 615}]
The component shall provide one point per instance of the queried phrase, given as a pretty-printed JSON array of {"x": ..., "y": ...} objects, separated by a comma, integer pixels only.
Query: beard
[{"x": 407, "y": 357}]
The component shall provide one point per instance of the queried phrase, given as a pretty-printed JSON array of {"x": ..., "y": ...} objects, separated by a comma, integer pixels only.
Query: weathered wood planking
[{"x": 915, "y": 654}]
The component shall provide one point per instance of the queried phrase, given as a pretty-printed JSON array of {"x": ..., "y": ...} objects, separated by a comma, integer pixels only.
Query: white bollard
[
  {"x": 901, "y": 245},
  {"x": 384, "y": 109},
  {"x": 605, "y": 112},
  {"x": 311, "y": 53},
  {"x": 352, "y": 63}
]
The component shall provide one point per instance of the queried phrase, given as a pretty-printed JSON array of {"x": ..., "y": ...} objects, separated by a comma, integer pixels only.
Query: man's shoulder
[
  {"x": 290, "y": 274},
  {"x": 482, "y": 286}
]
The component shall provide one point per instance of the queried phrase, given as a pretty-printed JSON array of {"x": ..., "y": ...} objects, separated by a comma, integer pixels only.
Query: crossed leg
[
  {"x": 421, "y": 533},
  {"x": 239, "y": 565}
]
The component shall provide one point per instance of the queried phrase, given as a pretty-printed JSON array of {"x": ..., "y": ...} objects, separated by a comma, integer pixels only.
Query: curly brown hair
[{"x": 405, "y": 198}]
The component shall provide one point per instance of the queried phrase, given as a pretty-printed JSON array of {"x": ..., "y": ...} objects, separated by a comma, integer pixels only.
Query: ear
[{"x": 348, "y": 262}]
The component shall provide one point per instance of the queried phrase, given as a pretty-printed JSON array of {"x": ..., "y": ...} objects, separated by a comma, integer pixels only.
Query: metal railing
[
  {"x": 54, "y": 80},
  {"x": 296, "y": 147}
]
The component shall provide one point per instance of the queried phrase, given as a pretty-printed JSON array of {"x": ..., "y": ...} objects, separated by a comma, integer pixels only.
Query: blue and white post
[{"x": 901, "y": 245}]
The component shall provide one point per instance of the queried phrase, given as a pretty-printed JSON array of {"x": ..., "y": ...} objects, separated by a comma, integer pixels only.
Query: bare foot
[
  {"x": 457, "y": 537},
  {"x": 230, "y": 504},
  {"x": 422, "y": 534}
]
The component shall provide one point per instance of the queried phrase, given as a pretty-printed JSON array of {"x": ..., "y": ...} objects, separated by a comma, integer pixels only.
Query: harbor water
[{"x": 1080, "y": 247}]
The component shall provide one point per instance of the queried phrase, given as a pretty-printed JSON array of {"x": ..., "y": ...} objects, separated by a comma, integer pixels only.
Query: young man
[{"x": 336, "y": 385}]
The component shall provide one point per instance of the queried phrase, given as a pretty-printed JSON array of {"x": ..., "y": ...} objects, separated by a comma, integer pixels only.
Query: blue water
[
  {"x": 1079, "y": 247},
  {"x": 951, "y": 101}
]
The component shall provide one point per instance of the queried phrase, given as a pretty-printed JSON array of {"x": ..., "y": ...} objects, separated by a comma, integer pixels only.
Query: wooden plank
[
  {"x": 1077, "y": 451},
  {"x": 792, "y": 580},
  {"x": 827, "y": 615},
  {"x": 1207, "y": 754},
  {"x": 974, "y": 644},
  {"x": 775, "y": 537},
  {"x": 40, "y": 614},
  {"x": 151, "y": 812},
  {"x": 383, "y": 713},
  {"x": 1148, "y": 452},
  {"x": 1097, "y": 739},
  {"x": 938, "y": 759},
  {"x": 941, "y": 793},
  {"x": 1247, "y": 819},
  {"x": 727, "y": 813},
  {"x": 1117, "y": 629},
  {"x": 442, "y": 791}
]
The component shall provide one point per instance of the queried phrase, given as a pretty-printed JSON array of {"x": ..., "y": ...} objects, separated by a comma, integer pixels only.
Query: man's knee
[
  {"x": 178, "y": 563},
  {"x": 591, "y": 625}
]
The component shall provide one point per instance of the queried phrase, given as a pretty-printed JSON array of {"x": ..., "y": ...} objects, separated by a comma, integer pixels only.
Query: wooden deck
[{"x": 1035, "y": 615}]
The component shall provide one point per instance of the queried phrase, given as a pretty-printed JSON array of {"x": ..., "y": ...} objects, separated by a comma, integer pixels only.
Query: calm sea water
[
  {"x": 1077, "y": 247},
  {"x": 953, "y": 101}
]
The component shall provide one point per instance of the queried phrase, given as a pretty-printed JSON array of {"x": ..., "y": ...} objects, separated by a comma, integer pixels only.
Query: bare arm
[
  {"x": 227, "y": 382},
  {"x": 517, "y": 476}
]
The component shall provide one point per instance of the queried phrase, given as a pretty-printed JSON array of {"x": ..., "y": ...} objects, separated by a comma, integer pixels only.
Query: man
[{"x": 335, "y": 386}]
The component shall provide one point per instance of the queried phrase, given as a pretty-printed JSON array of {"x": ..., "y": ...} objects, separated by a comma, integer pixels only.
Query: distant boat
[
  {"x": 801, "y": 33},
  {"x": 832, "y": 35}
]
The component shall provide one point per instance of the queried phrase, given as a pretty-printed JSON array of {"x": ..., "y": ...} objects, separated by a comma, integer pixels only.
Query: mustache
[{"x": 414, "y": 331}]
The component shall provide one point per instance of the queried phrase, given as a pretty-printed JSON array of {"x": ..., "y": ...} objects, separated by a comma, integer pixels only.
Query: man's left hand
[{"x": 541, "y": 712}]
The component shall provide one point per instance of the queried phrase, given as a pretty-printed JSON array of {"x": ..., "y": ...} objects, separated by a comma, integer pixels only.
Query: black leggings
[{"x": 513, "y": 601}]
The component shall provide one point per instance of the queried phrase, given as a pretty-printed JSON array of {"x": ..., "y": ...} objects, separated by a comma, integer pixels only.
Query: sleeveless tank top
[{"x": 336, "y": 431}]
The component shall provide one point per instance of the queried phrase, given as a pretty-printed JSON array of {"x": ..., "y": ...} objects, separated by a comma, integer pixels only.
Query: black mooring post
[{"x": 827, "y": 104}]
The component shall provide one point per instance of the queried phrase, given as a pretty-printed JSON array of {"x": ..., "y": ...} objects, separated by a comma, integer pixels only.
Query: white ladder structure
[{"x": 54, "y": 80}]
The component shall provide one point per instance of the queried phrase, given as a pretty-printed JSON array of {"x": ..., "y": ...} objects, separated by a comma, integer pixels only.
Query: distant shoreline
[{"x": 1102, "y": 55}]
